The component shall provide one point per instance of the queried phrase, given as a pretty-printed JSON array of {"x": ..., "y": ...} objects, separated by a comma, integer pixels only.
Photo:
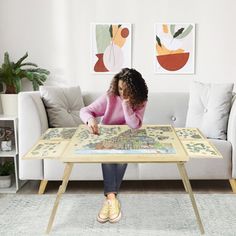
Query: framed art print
[
  {"x": 174, "y": 48},
  {"x": 110, "y": 47}
]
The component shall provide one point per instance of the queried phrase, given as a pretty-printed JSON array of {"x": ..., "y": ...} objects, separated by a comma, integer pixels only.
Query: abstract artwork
[
  {"x": 111, "y": 47},
  {"x": 174, "y": 48}
]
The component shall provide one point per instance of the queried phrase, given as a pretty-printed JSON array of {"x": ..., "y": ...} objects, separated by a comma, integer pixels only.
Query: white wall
[{"x": 56, "y": 33}]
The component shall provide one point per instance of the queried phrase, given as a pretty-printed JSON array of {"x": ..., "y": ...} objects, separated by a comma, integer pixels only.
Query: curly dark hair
[{"x": 136, "y": 90}]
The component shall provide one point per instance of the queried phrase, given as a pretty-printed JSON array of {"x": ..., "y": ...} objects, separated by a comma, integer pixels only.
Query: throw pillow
[
  {"x": 62, "y": 105},
  {"x": 209, "y": 107}
]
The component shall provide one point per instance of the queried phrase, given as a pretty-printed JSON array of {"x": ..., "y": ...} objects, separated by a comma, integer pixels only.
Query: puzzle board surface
[
  {"x": 51, "y": 144},
  {"x": 122, "y": 139},
  {"x": 150, "y": 139},
  {"x": 195, "y": 144}
]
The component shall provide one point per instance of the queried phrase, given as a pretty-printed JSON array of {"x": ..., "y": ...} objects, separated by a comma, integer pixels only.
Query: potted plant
[
  {"x": 6, "y": 169},
  {"x": 11, "y": 75}
]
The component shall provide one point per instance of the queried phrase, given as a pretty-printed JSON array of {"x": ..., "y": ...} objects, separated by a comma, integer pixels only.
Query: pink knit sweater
[{"x": 114, "y": 111}]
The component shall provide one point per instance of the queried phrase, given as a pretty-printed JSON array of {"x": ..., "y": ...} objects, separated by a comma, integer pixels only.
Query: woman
[{"x": 123, "y": 104}]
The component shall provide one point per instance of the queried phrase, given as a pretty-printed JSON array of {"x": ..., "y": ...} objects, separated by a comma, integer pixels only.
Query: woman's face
[{"x": 121, "y": 88}]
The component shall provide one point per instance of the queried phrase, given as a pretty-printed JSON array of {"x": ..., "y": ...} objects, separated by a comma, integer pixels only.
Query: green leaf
[
  {"x": 17, "y": 71},
  {"x": 103, "y": 37},
  {"x": 158, "y": 41},
  {"x": 110, "y": 30},
  {"x": 6, "y": 168},
  {"x": 172, "y": 29},
  {"x": 186, "y": 32},
  {"x": 29, "y": 64},
  {"x": 17, "y": 84},
  {"x": 6, "y": 59},
  {"x": 29, "y": 75},
  {"x": 35, "y": 85},
  {"x": 38, "y": 70},
  {"x": 43, "y": 78},
  {"x": 178, "y": 32},
  {"x": 18, "y": 63}
]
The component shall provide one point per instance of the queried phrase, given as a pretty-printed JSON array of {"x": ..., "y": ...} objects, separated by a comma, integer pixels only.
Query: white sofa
[{"x": 162, "y": 108}]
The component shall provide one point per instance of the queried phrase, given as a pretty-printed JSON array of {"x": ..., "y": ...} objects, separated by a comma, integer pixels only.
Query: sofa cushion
[
  {"x": 209, "y": 107},
  {"x": 62, "y": 105}
]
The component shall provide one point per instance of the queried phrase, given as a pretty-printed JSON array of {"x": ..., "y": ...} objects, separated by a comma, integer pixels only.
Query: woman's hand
[
  {"x": 127, "y": 100},
  {"x": 93, "y": 126}
]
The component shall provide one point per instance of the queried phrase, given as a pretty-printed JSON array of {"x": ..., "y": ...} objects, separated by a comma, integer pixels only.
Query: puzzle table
[{"x": 120, "y": 144}]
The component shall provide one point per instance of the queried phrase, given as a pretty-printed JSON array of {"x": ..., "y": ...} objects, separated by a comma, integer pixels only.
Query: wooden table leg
[
  {"x": 61, "y": 190},
  {"x": 233, "y": 184},
  {"x": 43, "y": 184},
  {"x": 184, "y": 176},
  {"x": 183, "y": 179}
]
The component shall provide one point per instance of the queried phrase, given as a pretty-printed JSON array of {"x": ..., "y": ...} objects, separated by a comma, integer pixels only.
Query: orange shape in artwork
[
  {"x": 119, "y": 35},
  {"x": 173, "y": 62},
  {"x": 125, "y": 32}
]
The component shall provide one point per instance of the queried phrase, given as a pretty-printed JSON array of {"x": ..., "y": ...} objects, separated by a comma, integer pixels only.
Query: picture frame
[
  {"x": 110, "y": 47},
  {"x": 174, "y": 48}
]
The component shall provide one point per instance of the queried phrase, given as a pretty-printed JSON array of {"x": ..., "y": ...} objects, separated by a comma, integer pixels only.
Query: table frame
[
  {"x": 183, "y": 174},
  {"x": 67, "y": 149}
]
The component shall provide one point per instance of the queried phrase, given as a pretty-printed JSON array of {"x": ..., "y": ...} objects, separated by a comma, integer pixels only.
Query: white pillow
[
  {"x": 62, "y": 105},
  {"x": 209, "y": 107}
]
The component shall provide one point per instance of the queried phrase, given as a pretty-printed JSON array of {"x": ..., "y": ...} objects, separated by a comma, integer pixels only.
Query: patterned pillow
[
  {"x": 209, "y": 107},
  {"x": 62, "y": 105}
]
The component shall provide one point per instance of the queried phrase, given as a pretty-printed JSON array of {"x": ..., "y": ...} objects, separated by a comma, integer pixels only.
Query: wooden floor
[{"x": 161, "y": 186}]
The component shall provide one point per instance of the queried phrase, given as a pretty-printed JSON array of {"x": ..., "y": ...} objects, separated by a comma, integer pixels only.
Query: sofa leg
[
  {"x": 233, "y": 184},
  {"x": 42, "y": 186}
]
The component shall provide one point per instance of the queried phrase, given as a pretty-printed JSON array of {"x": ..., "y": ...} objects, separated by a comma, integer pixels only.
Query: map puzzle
[{"x": 120, "y": 139}]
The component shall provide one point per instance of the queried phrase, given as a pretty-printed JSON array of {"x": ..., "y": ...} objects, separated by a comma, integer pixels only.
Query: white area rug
[{"x": 143, "y": 215}]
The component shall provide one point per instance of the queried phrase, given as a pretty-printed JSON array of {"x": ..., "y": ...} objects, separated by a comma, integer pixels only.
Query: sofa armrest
[
  {"x": 32, "y": 123},
  {"x": 231, "y": 135}
]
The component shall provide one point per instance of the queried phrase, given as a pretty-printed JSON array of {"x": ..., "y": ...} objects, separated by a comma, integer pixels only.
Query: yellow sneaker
[
  {"x": 114, "y": 210},
  {"x": 103, "y": 215}
]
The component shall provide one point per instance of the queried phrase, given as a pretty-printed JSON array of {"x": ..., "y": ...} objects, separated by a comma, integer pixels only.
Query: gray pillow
[
  {"x": 209, "y": 107},
  {"x": 62, "y": 105}
]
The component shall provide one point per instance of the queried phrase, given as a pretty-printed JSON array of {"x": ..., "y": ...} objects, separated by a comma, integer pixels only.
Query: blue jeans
[{"x": 113, "y": 175}]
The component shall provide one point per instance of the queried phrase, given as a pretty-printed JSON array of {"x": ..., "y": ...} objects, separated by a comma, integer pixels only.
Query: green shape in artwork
[
  {"x": 103, "y": 38},
  {"x": 185, "y": 32}
]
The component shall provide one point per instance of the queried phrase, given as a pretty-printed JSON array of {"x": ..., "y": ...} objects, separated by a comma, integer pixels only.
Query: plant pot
[
  {"x": 99, "y": 66},
  {"x": 5, "y": 181},
  {"x": 9, "y": 104},
  {"x": 6, "y": 145}
]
